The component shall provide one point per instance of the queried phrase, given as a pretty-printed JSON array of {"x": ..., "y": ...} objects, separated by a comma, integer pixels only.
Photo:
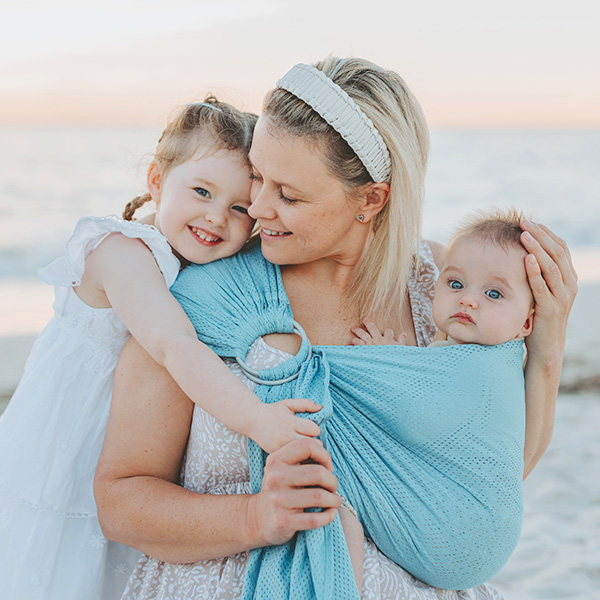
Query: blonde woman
[{"x": 339, "y": 158}]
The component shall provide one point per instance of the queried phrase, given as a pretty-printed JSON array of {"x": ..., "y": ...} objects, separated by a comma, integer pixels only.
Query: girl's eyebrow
[{"x": 204, "y": 182}]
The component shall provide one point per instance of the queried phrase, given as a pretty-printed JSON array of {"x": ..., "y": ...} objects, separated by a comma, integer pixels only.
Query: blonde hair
[
  {"x": 210, "y": 121},
  {"x": 498, "y": 226},
  {"x": 380, "y": 278}
]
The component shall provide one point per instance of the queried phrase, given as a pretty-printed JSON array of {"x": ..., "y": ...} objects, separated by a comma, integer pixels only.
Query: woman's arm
[
  {"x": 141, "y": 505},
  {"x": 553, "y": 282}
]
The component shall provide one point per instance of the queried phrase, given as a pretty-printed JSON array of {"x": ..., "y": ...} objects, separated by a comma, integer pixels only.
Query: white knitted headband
[{"x": 343, "y": 114}]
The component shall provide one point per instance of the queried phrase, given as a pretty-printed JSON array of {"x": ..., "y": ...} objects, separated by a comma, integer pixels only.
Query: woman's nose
[{"x": 261, "y": 207}]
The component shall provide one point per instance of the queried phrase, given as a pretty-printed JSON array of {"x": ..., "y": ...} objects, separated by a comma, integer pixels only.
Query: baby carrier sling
[{"x": 427, "y": 443}]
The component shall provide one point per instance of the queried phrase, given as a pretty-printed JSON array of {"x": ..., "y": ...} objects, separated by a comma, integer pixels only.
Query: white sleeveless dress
[
  {"x": 51, "y": 434},
  {"x": 216, "y": 462}
]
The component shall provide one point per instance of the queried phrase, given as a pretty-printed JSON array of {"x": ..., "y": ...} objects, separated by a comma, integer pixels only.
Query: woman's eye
[
  {"x": 493, "y": 294},
  {"x": 286, "y": 199},
  {"x": 202, "y": 192},
  {"x": 254, "y": 177},
  {"x": 455, "y": 285},
  {"x": 241, "y": 209}
]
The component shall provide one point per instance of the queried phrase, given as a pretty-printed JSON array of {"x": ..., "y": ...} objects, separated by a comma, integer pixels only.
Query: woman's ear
[
  {"x": 374, "y": 197},
  {"x": 154, "y": 181}
]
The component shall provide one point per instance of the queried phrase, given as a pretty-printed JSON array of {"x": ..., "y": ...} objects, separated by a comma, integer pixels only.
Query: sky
[{"x": 471, "y": 63}]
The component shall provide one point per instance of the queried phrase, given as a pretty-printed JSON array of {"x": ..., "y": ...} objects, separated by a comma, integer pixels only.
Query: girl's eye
[
  {"x": 202, "y": 192},
  {"x": 241, "y": 209},
  {"x": 286, "y": 199},
  {"x": 254, "y": 177},
  {"x": 493, "y": 294},
  {"x": 455, "y": 285}
]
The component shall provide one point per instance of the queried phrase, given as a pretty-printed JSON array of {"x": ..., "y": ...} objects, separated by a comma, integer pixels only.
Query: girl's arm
[
  {"x": 141, "y": 505},
  {"x": 126, "y": 271},
  {"x": 553, "y": 282}
]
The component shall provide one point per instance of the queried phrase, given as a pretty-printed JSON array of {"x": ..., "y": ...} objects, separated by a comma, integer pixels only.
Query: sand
[{"x": 558, "y": 556}]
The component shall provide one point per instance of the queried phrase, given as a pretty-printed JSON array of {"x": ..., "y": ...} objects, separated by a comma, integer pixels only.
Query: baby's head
[
  {"x": 482, "y": 295},
  {"x": 200, "y": 181}
]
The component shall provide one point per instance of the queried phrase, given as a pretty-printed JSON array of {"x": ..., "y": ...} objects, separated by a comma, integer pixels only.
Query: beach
[
  {"x": 552, "y": 176},
  {"x": 558, "y": 556}
]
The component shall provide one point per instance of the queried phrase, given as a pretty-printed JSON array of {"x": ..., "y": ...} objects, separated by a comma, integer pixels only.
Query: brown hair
[
  {"x": 219, "y": 123},
  {"x": 500, "y": 227},
  {"x": 379, "y": 281}
]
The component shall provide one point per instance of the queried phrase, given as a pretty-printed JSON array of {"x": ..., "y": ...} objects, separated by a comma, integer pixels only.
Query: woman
[{"x": 338, "y": 198}]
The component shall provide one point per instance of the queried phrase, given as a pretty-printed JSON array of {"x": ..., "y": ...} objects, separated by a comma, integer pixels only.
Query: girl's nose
[{"x": 216, "y": 216}]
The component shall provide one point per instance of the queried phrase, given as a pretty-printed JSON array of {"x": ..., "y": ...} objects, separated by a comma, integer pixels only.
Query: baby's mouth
[{"x": 463, "y": 317}]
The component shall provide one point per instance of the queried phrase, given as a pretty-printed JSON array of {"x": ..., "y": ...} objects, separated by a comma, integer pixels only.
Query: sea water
[{"x": 52, "y": 175}]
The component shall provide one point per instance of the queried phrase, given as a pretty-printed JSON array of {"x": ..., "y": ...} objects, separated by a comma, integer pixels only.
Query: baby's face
[{"x": 482, "y": 295}]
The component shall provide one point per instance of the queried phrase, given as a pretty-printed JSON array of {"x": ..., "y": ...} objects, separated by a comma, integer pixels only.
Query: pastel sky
[{"x": 521, "y": 63}]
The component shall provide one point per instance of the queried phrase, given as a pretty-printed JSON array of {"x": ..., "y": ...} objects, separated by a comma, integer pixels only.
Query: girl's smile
[{"x": 202, "y": 204}]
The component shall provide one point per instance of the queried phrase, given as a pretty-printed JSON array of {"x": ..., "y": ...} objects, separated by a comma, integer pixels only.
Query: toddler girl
[{"x": 114, "y": 281}]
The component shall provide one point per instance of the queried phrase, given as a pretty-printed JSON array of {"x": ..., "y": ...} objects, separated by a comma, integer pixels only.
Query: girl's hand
[
  {"x": 369, "y": 335},
  {"x": 553, "y": 282},
  {"x": 297, "y": 476},
  {"x": 274, "y": 425}
]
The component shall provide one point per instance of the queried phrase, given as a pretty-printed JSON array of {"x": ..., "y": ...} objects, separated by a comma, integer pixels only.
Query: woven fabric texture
[{"x": 427, "y": 444}]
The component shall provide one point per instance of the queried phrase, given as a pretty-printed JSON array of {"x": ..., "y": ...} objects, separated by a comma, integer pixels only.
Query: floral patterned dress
[{"x": 216, "y": 462}]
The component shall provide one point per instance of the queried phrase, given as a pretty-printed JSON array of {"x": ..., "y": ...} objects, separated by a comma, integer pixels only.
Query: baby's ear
[{"x": 528, "y": 326}]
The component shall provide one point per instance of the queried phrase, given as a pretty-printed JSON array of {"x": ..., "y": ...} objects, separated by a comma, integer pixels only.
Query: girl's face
[
  {"x": 202, "y": 205},
  {"x": 303, "y": 210}
]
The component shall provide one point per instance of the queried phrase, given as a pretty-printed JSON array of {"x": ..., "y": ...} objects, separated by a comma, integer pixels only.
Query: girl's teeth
[
  {"x": 273, "y": 232},
  {"x": 204, "y": 236}
]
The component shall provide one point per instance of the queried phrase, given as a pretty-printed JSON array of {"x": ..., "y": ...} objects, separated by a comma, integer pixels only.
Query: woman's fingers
[
  {"x": 296, "y": 477},
  {"x": 552, "y": 254},
  {"x": 302, "y": 450}
]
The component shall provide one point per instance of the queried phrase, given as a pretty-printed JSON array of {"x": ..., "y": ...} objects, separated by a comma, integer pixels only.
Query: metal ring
[{"x": 253, "y": 374}]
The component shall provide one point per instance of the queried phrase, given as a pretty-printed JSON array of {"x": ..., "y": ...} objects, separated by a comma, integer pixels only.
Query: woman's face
[{"x": 303, "y": 210}]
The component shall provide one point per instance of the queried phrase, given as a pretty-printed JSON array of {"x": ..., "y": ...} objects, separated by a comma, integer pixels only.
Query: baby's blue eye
[
  {"x": 493, "y": 294},
  {"x": 241, "y": 209},
  {"x": 202, "y": 192},
  {"x": 456, "y": 285}
]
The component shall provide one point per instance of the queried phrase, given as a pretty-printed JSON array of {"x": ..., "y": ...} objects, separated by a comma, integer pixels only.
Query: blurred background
[{"x": 511, "y": 92}]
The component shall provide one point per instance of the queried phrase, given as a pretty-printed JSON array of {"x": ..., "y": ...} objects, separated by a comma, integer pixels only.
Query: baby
[{"x": 482, "y": 296}]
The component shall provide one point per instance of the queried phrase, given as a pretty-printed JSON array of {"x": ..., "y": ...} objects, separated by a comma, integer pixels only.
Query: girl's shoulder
[{"x": 89, "y": 232}]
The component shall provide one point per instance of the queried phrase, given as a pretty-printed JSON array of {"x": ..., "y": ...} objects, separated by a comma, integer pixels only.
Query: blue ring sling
[{"x": 427, "y": 443}]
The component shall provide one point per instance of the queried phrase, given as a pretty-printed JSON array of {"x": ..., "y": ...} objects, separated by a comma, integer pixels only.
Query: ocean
[{"x": 52, "y": 175}]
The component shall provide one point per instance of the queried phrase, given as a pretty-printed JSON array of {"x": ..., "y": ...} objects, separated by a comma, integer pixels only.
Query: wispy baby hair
[
  {"x": 209, "y": 122},
  {"x": 499, "y": 226}
]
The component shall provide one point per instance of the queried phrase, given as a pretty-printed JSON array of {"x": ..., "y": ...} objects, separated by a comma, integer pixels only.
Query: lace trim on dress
[{"x": 89, "y": 232}]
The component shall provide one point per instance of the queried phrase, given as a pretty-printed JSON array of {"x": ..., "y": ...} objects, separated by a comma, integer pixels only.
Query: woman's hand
[
  {"x": 553, "y": 282},
  {"x": 297, "y": 476}
]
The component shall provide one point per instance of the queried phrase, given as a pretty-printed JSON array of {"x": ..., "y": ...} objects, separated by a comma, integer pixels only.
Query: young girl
[{"x": 113, "y": 281}]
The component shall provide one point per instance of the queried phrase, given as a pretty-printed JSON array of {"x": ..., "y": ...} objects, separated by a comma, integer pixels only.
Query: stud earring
[{"x": 360, "y": 218}]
